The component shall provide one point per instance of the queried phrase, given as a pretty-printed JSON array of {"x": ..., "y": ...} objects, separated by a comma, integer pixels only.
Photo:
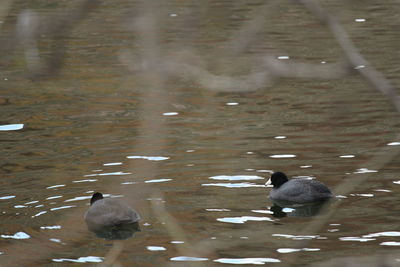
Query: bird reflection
[
  {"x": 114, "y": 232},
  {"x": 282, "y": 209}
]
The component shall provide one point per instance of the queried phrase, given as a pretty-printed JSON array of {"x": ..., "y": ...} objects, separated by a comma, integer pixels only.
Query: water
[{"x": 197, "y": 174}]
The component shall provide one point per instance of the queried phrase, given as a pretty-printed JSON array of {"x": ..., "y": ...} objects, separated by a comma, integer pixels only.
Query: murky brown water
[{"x": 192, "y": 161}]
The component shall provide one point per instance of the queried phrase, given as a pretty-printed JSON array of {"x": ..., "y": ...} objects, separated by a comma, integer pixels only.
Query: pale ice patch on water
[
  {"x": 234, "y": 185},
  {"x": 280, "y": 137},
  {"x": 243, "y": 219},
  {"x": 232, "y": 104},
  {"x": 396, "y": 182},
  {"x": 81, "y": 259},
  {"x": 283, "y": 156},
  {"x": 151, "y": 158},
  {"x": 257, "y": 261},
  {"x": 11, "y": 127},
  {"x": 346, "y": 156},
  {"x": 236, "y": 177},
  {"x": 155, "y": 248},
  {"x": 18, "y": 235},
  {"x": 187, "y": 258}
]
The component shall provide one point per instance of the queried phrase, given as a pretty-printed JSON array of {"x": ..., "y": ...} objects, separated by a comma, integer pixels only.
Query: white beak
[{"x": 268, "y": 183}]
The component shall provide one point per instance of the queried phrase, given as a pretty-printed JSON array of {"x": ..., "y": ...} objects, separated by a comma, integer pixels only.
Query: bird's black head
[
  {"x": 96, "y": 196},
  {"x": 278, "y": 178}
]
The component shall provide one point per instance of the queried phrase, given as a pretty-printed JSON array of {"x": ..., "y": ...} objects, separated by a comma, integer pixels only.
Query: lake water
[{"x": 191, "y": 160}]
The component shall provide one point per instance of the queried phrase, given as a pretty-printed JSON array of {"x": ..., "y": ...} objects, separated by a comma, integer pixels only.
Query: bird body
[
  {"x": 297, "y": 190},
  {"x": 109, "y": 212}
]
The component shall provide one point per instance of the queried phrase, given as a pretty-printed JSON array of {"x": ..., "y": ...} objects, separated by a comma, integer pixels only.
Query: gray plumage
[
  {"x": 109, "y": 211},
  {"x": 297, "y": 190}
]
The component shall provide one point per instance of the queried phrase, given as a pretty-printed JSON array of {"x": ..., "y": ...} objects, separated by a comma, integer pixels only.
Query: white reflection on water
[
  {"x": 218, "y": 210},
  {"x": 63, "y": 207},
  {"x": 396, "y": 182},
  {"x": 362, "y": 195},
  {"x": 157, "y": 180},
  {"x": 19, "y": 235},
  {"x": 280, "y": 137},
  {"x": 40, "y": 213},
  {"x": 170, "y": 113},
  {"x": 297, "y": 237},
  {"x": 54, "y": 227},
  {"x": 263, "y": 211},
  {"x": 112, "y": 164},
  {"x": 148, "y": 158},
  {"x": 290, "y": 250},
  {"x": 53, "y": 197},
  {"x": 55, "y": 186},
  {"x": 390, "y": 243},
  {"x": 11, "y": 127},
  {"x": 243, "y": 219},
  {"x": 355, "y": 238},
  {"x": 85, "y": 181},
  {"x": 390, "y": 233},
  {"x": 186, "y": 258},
  {"x": 7, "y": 197},
  {"x": 236, "y": 177},
  {"x": 177, "y": 242},
  {"x": 236, "y": 185},
  {"x": 282, "y": 156},
  {"x": 364, "y": 170},
  {"x": 78, "y": 198},
  {"x": 107, "y": 174},
  {"x": 257, "y": 261},
  {"x": 155, "y": 248},
  {"x": 394, "y": 144},
  {"x": 346, "y": 156},
  {"x": 82, "y": 259},
  {"x": 306, "y": 166}
]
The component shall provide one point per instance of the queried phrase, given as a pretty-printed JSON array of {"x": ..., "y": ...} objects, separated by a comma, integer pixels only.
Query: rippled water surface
[{"x": 194, "y": 162}]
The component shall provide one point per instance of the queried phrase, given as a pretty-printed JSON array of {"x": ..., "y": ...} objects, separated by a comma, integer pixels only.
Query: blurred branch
[
  {"x": 31, "y": 28},
  {"x": 374, "y": 77}
]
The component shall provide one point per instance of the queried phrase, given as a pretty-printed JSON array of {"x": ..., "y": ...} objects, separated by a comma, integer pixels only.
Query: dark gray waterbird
[{"x": 297, "y": 190}]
